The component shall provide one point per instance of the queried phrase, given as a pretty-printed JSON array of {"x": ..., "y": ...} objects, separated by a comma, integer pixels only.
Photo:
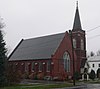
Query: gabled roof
[
  {"x": 77, "y": 22},
  {"x": 94, "y": 59},
  {"x": 37, "y": 48}
]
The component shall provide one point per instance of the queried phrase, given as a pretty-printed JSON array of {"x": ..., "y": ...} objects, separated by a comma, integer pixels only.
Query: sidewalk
[
  {"x": 28, "y": 81},
  {"x": 74, "y": 87},
  {"x": 79, "y": 85}
]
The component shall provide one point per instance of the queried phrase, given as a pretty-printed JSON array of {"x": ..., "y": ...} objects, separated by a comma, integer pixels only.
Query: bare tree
[
  {"x": 92, "y": 53},
  {"x": 98, "y": 53}
]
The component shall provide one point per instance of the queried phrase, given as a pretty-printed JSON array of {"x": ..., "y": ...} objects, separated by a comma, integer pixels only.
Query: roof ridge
[
  {"x": 37, "y": 48},
  {"x": 44, "y": 36}
]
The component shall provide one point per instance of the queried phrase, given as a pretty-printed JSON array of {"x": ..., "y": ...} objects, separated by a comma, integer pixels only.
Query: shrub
[
  {"x": 31, "y": 76},
  {"x": 98, "y": 73},
  {"x": 26, "y": 75},
  {"x": 92, "y": 75},
  {"x": 40, "y": 75},
  {"x": 35, "y": 77},
  {"x": 77, "y": 75},
  {"x": 13, "y": 76}
]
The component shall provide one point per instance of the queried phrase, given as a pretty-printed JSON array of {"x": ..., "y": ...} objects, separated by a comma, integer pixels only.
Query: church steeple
[
  {"x": 79, "y": 41},
  {"x": 77, "y": 22}
]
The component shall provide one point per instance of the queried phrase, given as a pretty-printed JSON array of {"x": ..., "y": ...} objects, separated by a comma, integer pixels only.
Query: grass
[
  {"x": 93, "y": 81},
  {"x": 38, "y": 86}
]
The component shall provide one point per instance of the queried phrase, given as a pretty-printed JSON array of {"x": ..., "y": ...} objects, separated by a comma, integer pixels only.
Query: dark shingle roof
[
  {"x": 37, "y": 48},
  {"x": 77, "y": 22}
]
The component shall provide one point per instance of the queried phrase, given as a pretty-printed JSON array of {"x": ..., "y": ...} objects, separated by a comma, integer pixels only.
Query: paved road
[
  {"x": 86, "y": 86},
  {"x": 83, "y": 86},
  {"x": 92, "y": 86}
]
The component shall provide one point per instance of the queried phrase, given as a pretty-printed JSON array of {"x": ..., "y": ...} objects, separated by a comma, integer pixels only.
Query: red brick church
[{"x": 53, "y": 55}]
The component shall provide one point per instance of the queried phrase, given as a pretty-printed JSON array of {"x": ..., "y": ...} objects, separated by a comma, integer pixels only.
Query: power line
[
  {"x": 93, "y": 36},
  {"x": 93, "y": 29}
]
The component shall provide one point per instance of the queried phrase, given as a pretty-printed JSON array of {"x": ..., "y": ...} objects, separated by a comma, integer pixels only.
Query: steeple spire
[
  {"x": 77, "y": 22},
  {"x": 77, "y": 4}
]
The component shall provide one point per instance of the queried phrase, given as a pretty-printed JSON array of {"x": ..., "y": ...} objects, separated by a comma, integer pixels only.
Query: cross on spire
[{"x": 77, "y": 4}]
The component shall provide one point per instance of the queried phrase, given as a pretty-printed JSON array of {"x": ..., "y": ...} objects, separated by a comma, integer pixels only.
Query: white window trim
[
  {"x": 43, "y": 63},
  {"x": 22, "y": 63}
]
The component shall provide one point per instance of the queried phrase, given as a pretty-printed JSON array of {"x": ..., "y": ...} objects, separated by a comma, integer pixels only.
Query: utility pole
[{"x": 73, "y": 57}]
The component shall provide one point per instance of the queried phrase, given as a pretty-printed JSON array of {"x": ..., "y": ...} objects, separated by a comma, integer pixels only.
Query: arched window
[
  {"x": 40, "y": 66},
  {"x": 74, "y": 43},
  {"x": 48, "y": 66},
  {"x": 66, "y": 58},
  {"x": 33, "y": 66},
  {"x": 82, "y": 44}
]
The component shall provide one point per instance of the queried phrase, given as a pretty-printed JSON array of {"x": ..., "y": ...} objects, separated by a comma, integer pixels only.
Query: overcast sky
[{"x": 33, "y": 18}]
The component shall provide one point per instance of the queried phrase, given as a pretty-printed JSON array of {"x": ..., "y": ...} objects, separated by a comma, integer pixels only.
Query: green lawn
[
  {"x": 93, "y": 81},
  {"x": 42, "y": 86}
]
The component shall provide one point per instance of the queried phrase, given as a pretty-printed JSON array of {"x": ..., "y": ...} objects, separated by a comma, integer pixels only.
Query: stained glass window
[
  {"x": 74, "y": 43},
  {"x": 66, "y": 58}
]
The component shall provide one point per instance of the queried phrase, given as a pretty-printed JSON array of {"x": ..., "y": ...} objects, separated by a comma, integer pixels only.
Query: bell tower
[{"x": 79, "y": 40}]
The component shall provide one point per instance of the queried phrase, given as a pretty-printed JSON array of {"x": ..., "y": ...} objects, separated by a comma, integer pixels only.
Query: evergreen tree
[
  {"x": 92, "y": 53},
  {"x": 77, "y": 75},
  {"x": 98, "y": 53},
  {"x": 92, "y": 75},
  {"x": 98, "y": 73},
  {"x": 2, "y": 58}
]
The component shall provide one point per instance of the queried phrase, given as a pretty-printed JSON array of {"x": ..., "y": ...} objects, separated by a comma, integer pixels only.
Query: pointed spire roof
[{"x": 77, "y": 22}]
